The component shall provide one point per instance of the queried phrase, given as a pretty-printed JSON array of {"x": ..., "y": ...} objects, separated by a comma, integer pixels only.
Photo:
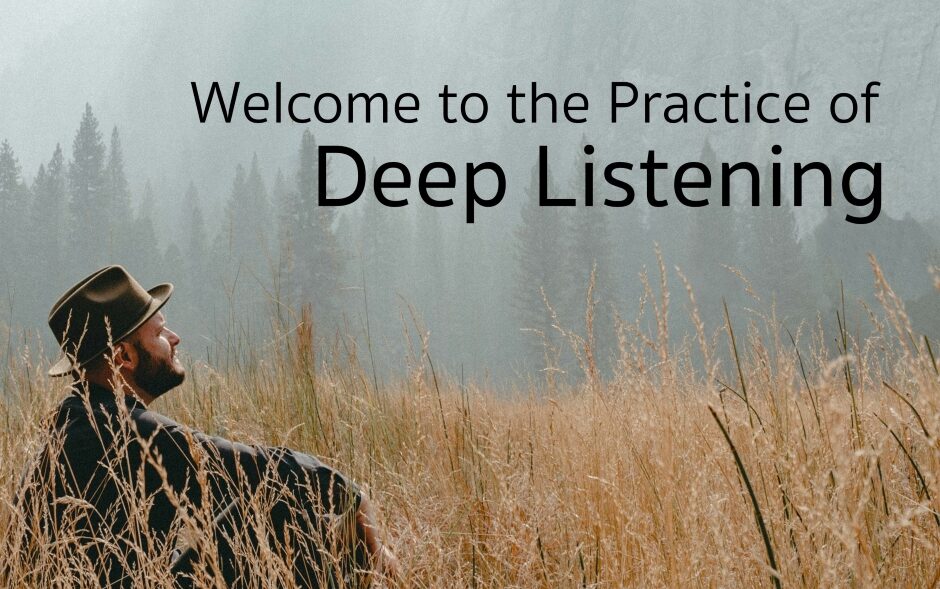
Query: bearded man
[{"x": 117, "y": 486}]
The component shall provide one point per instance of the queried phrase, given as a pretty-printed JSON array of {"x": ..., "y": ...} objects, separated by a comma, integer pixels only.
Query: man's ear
[{"x": 126, "y": 356}]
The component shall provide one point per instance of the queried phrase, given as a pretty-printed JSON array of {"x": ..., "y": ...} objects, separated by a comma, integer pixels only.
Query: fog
[{"x": 478, "y": 289}]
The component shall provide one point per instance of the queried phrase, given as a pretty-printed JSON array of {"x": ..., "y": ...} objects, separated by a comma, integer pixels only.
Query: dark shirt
[{"x": 116, "y": 476}]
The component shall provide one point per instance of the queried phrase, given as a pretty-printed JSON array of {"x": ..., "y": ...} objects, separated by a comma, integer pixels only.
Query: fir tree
[
  {"x": 45, "y": 239},
  {"x": 376, "y": 241},
  {"x": 245, "y": 246},
  {"x": 588, "y": 253},
  {"x": 11, "y": 194},
  {"x": 712, "y": 246},
  {"x": 284, "y": 201},
  {"x": 119, "y": 212},
  {"x": 9, "y": 177},
  {"x": 13, "y": 207},
  {"x": 247, "y": 218},
  {"x": 281, "y": 205},
  {"x": 311, "y": 259},
  {"x": 230, "y": 240},
  {"x": 197, "y": 246},
  {"x": 381, "y": 247},
  {"x": 669, "y": 227},
  {"x": 631, "y": 251},
  {"x": 233, "y": 250},
  {"x": 48, "y": 218},
  {"x": 774, "y": 261},
  {"x": 144, "y": 258},
  {"x": 198, "y": 266},
  {"x": 89, "y": 205},
  {"x": 588, "y": 242},
  {"x": 540, "y": 277},
  {"x": 37, "y": 216}
]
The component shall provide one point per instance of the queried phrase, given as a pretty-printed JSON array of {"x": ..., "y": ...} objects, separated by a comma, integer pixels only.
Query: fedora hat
[{"x": 99, "y": 311}]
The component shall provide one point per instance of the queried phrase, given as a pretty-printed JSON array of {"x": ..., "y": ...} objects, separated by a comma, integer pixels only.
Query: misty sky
[{"x": 134, "y": 65}]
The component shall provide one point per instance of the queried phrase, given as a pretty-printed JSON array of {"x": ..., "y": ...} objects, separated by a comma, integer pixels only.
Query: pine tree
[
  {"x": 346, "y": 241},
  {"x": 46, "y": 237},
  {"x": 243, "y": 245},
  {"x": 311, "y": 261},
  {"x": 119, "y": 213},
  {"x": 10, "y": 195},
  {"x": 199, "y": 269},
  {"x": 233, "y": 250},
  {"x": 230, "y": 240},
  {"x": 261, "y": 221},
  {"x": 285, "y": 205},
  {"x": 669, "y": 227},
  {"x": 280, "y": 202},
  {"x": 774, "y": 261},
  {"x": 49, "y": 214},
  {"x": 9, "y": 177},
  {"x": 376, "y": 242},
  {"x": 632, "y": 250},
  {"x": 588, "y": 244},
  {"x": 247, "y": 219},
  {"x": 144, "y": 259},
  {"x": 381, "y": 248},
  {"x": 712, "y": 247},
  {"x": 37, "y": 217},
  {"x": 89, "y": 205},
  {"x": 188, "y": 259},
  {"x": 197, "y": 245},
  {"x": 13, "y": 207},
  {"x": 540, "y": 277}
]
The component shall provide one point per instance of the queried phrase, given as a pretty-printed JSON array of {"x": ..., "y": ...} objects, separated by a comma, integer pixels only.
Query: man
[{"x": 120, "y": 486}]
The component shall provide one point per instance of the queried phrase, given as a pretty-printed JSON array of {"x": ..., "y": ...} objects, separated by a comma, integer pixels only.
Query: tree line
[{"x": 377, "y": 278}]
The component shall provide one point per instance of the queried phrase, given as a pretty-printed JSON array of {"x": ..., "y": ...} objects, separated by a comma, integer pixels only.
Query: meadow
[{"x": 739, "y": 458}]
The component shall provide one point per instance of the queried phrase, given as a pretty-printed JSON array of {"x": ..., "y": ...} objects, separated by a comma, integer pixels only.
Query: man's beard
[{"x": 155, "y": 377}]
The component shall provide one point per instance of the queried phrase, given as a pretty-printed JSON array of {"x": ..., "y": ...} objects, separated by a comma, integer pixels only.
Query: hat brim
[{"x": 160, "y": 295}]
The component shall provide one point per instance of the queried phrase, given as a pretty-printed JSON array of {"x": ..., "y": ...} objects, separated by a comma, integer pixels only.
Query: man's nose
[{"x": 172, "y": 337}]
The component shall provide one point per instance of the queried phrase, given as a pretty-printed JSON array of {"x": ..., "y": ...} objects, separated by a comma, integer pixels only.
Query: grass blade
[{"x": 768, "y": 546}]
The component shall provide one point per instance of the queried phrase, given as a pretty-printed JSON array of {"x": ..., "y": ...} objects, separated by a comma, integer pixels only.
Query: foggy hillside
[{"x": 478, "y": 288}]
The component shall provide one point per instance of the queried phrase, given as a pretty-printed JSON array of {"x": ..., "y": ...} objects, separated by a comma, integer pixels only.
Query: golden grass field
[{"x": 627, "y": 481}]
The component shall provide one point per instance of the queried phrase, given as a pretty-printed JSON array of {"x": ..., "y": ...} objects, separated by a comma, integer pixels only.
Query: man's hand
[{"x": 383, "y": 561}]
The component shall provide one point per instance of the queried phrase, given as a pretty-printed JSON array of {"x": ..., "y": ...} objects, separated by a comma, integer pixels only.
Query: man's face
[{"x": 158, "y": 369}]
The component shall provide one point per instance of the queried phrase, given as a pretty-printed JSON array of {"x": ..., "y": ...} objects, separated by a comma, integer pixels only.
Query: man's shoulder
[
  {"x": 77, "y": 415},
  {"x": 149, "y": 422},
  {"x": 76, "y": 407},
  {"x": 99, "y": 408},
  {"x": 78, "y": 429}
]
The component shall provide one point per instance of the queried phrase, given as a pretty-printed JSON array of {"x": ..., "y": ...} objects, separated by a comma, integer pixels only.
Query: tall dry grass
[{"x": 768, "y": 460}]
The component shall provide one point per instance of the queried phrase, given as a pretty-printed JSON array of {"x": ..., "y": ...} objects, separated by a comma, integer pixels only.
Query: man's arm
[
  {"x": 381, "y": 559},
  {"x": 332, "y": 492}
]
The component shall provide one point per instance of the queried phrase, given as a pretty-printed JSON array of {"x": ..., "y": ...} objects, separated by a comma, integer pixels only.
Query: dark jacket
[{"x": 115, "y": 476}]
